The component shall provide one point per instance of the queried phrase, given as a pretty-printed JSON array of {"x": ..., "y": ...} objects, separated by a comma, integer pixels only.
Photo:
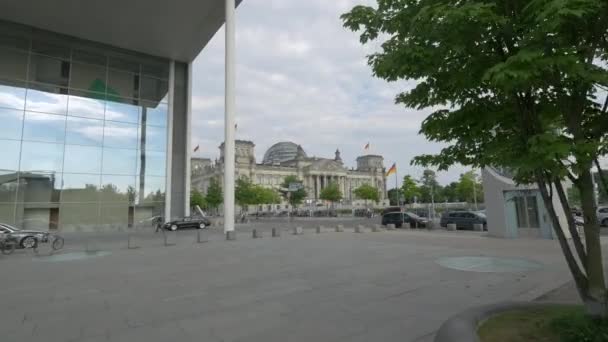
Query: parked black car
[
  {"x": 188, "y": 222},
  {"x": 463, "y": 219},
  {"x": 398, "y": 218},
  {"x": 24, "y": 238}
]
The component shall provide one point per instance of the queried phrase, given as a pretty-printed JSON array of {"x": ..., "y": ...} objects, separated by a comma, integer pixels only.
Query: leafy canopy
[
  {"x": 367, "y": 192},
  {"x": 331, "y": 193},
  {"x": 295, "y": 198}
]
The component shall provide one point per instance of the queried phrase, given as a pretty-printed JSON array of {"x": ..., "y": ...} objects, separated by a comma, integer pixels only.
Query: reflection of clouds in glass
[
  {"x": 78, "y": 181},
  {"x": 41, "y": 156},
  {"x": 44, "y": 127},
  {"x": 124, "y": 112},
  {"x": 82, "y": 159},
  {"x": 84, "y": 131},
  {"x": 86, "y": 107},
  {"x": 120, "y": 135},
  {"x": 157, "y": 116},
  {"x": 12, "y": 97},
  {"x": 40, "y": 101},
  {"x": 156, "y": 138},
  {"x": 119, "y": 161},
  {"x": 12, "y": 123},
  {"x": 10, "y": 154}
]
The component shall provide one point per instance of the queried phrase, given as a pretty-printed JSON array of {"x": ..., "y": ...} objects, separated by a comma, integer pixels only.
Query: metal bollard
[
  {"x": 276, "y": 232},
  {"x": 231, "y": 235},
  {"x": 297, "y": 231},
  {"x": 359, "y": 229},
  {"x": 451, "y": 226},
  {"x": 390, "y": 226},
  {"x": 200, "y": 239},
  {"x": 376, "y": 228},
  {"x": 339, "y": 228},
  {"x": 406, "y": 225},
  {"x": 319, "y": 228},
  {"x": 478, "y": 227}
]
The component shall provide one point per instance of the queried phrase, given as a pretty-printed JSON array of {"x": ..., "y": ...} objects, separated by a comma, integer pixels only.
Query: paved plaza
[{"x": 384, "y": 286}]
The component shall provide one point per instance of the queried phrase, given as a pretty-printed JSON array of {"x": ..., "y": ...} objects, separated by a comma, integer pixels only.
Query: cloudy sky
[{"x": 302, "y": 77}]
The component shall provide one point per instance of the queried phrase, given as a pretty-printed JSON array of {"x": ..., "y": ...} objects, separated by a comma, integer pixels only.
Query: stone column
[{"x": 317, "y": 186}]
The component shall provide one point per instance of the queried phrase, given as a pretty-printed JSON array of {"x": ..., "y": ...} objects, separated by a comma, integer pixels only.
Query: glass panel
[
  {"x": 37, "y": 156},
  {"x": 44, "y": 127},
  {"x": 78, "y": 216},
  {"x": 39, "y": 187},
  {"x": 156, "y": 138},
  {"x": 153, "y": 89},
  {"x": 10, "y": 155},
  {"x": 80, "y": 188},
  {"x": 86, "y": 104},
  {"x": 154, "y": 189},
  {"x": 89, "y": 57},
  {"x": 120, "y": 135},
  {"x": 7, "y": 213},
  {"x": 119, "y": 161},
  {"x": 39, "y": 216},
  {"x": 520, "y": 211},
  {"x": 82, "y": 159},
  {"x": 12, "y": 94},
  {"x": 115, "y": 215},
  {"x": 13, "y": 64},
  {"x": 49, "y": 70},
  {"x": 84, "y": 131},
  {"x": 532, "y": 207},
  {"x": 144, "y": 214},
  {"x": 156, "y": 113},
  {"x": 123, "y": 84},
  {"x": 156, "y": 69},
  {"x": 118, "y": 188},
  {"x": 155, "y": 163},
  {"x": 13, "y": 40},
  {"x": 51, "y": 49},
  {"x": 122, "y": 110},
  {"x": 12, "y": 123},
  {"x": 89, "y": 77},
  {"x": 47, "y": 99},
  {"x": 125, "y": 64},
  {"x": 8, "y": 186}
]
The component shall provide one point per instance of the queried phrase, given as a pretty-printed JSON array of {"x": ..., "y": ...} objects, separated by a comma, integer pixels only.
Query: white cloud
[{"x": 302, "y": 77}]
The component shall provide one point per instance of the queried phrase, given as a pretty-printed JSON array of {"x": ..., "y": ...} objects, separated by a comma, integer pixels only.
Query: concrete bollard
[
  {"x": 359, "y": 229},
  {"x": 406, "y": 225},
  {"x": 478, "y": 227},
  {"x": 276, "y": 232},
  {"x": 319, "y": 229},
  {"x": 339, "y": 228},
  {"x": 451, "y": 226},
  {"x": 231, "y": 235},
  {"x": 201, "y": 237},
  {"x": 297, "y": 231},
  {"x": 390, "y": 226},
  {"x": 376, "y": 228},
  {"x": 255, "y": 234}
]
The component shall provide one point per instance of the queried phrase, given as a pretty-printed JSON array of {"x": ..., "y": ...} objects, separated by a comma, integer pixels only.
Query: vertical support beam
[
  {"x": 187, "y": 170},
  {"x": 169, "y": 142},
  {"x": 229, "y": 121}
]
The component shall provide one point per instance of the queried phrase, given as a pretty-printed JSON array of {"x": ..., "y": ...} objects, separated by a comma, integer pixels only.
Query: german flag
[{"x": 392, "y": 170}]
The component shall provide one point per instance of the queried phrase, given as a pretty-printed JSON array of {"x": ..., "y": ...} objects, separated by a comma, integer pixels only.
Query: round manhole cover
[
  {"x": 73, "y": 256},
  {"x": 488, "y": 264}
]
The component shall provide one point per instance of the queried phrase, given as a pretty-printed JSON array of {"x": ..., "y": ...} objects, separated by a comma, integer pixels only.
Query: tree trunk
[
  {"x": 576, "y": 239},
  {"x": 596, "y": 303},
  {"x": 580, "y": 279}
]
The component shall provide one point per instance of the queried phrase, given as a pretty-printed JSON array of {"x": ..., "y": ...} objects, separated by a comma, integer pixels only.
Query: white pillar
[
  {"x": 169, "y": 165},
  {"x": 187, "y": 168},
  {"x": 229, "y": 149}
]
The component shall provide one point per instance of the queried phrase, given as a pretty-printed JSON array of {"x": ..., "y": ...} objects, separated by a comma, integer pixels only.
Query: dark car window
[
  {"x": 455, "y": 215},
  {"x": 469, "y": 215},
  {"x": 187, "y": 219},
  {"x": 604, "y": 210}
]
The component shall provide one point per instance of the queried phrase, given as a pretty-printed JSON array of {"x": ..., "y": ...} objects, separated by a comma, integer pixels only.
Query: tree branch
[
  {"x": 576, "y": 238},
  {"x": 582, "y": 283},
  {"x": 603, "y": 179}
]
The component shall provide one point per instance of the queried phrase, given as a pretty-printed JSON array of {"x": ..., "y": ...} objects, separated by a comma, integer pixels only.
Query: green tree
[
  {"x": 295, "y": 198},
  {"x": 469, "y": 189},
  {"x": 517, "y": 86},
  {"x": 331, "y": 193},
  {"x": 264, "y": 195},
  {"x": 245, "y": 193},
  {"x": 197, "y": 199},
  {"x": 428, "y": 186},
  {"x": 394, "y": 195},
  {"x": 367, "y": 192},
  {"x": 410, "y": 189},
  {"x": 214, "y": 195},
  {"x": 450, "y": 192}
]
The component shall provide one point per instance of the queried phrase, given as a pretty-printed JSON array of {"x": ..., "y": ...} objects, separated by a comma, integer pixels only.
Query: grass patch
[{"x": 546, "y": 324}]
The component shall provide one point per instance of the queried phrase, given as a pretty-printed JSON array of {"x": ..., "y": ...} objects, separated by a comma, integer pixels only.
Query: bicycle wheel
[
  {"x": 57, "y": 243},
  {"x": 7, "y": 248}
]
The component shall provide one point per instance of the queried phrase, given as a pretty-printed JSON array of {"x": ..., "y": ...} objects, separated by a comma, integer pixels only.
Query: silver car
[
  {"x": 29, "y": 238},
  {"x": 602, "y": 215}
]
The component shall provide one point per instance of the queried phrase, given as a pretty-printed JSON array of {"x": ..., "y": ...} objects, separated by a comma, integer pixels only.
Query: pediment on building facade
[{"x": 326, "y": 165}]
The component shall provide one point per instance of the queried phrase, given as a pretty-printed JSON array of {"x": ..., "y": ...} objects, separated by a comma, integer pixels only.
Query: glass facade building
[{"x": 84, "y": 132}]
